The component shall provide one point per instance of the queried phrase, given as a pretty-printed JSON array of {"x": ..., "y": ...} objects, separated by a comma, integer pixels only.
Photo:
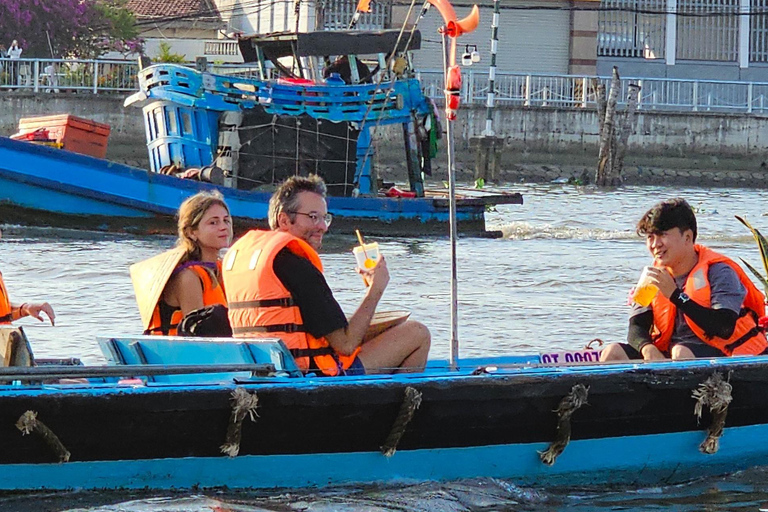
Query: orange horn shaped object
[
  {"x": 469, "y": 24},
  {"x": 455, "y": 27}
]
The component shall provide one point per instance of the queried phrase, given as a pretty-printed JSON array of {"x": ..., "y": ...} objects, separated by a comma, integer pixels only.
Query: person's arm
[
  {"x": 639, "y": 332},
  {"x": 320, "y": 312},
  {"x": 184, "y": 291},
  {"x": 33, "y": 309},
  {"x": 719, "y": 322},
  {"x": 726, "y": 297}
]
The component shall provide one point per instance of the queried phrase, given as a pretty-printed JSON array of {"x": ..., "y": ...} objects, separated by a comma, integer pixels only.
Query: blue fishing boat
[
  {"x": 47, "y": 186},
  {"x": 242, "y": 135},
  {"x": 182, "y": 413}
]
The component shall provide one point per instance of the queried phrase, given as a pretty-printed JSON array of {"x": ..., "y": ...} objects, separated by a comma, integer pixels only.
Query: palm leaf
[
  {"x": 762, "y": 243},
  {"x": 759, "y": 277}
]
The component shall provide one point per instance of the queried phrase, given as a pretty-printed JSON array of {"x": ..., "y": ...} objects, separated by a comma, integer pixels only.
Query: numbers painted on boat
[{"x": 570, "y": 357}]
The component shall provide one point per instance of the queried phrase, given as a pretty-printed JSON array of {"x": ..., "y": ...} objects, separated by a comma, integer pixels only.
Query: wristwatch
[{"x": 679, "y": 297}]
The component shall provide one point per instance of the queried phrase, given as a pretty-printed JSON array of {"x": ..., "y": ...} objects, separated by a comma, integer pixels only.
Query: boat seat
[
  {"x": 199, "y": 351},
  {"x": 14, "y": 347}
]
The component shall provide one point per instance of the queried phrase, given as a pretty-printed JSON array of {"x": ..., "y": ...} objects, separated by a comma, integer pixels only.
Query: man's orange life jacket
[
  {"x": 260, "y": 306},
  {"x": 747, "y": 338},
  {"x": 6, "y": 314},
  {"x": 213, "y": 293}
]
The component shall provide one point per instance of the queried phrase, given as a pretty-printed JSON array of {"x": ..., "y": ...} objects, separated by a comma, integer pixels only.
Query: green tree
[{"x": 63, "y": 28}]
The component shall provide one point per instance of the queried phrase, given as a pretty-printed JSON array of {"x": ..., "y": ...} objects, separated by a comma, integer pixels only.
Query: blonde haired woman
[{"x": 205, "y": 227}]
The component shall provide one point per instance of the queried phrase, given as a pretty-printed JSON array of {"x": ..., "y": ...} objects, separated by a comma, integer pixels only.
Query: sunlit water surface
[{"x": 557, "y": 279}]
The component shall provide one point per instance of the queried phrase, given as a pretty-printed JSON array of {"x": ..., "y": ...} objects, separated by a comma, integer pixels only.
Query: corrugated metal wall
[{"x": 530, "y": 41}]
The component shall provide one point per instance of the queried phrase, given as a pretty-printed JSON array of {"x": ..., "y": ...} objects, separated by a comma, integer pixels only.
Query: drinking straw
[{"x": 362, "y": 243}]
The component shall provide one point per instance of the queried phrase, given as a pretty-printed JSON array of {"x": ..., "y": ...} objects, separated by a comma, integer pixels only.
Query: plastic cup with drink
[
  {"x": 645, "y": 291},
  {"x": 366, "y": 255}
]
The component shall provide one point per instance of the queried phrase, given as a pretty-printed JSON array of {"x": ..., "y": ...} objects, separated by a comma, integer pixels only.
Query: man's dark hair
[
  {"x": 672, "y": 213},
  {"x": 286, "y": 197}
]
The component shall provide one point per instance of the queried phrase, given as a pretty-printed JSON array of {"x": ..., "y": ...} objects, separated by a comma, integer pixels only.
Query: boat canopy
[{"x": 339, "y": 42}]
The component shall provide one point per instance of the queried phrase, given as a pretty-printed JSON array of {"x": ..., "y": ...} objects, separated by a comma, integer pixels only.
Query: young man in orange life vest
[
  {"x": 275, "y": 288},
  {"x": 706, "y": 305}
]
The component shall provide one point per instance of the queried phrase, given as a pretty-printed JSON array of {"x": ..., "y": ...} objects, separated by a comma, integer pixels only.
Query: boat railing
[
  {"x": 518, "y": 89},
  {"x": 334, "y": 102}
]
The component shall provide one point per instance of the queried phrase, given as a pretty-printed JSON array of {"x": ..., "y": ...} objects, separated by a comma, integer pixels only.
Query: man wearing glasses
[{"x": 275, "y": 288}]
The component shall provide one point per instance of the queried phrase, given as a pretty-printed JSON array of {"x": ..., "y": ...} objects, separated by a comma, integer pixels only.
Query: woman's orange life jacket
[
  {"x": 6, "y": 313},
  {"x": 261, "y": 306},
  {"x": 213, "y": 293},
  {"x": 747, "y": 338}
]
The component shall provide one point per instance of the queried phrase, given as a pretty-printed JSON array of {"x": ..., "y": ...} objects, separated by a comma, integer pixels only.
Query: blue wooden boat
[
  {"x": 246, "y": 134},
  {"x": 183, "y": 413},
  {"x": 47, "y": 186}
]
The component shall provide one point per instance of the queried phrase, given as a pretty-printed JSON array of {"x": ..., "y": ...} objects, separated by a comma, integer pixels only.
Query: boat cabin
[
  {"x": 356, "y": 56},
  {"x": 320, "y": 99}
]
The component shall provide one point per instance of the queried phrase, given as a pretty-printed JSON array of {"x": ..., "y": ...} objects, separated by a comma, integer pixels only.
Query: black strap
[
  {"x": 6, "y": 318},
  {"x": 163, "y": 329},
  {"x": 285, "y": 302},
  {"x": 287, "y": 328},
  {"x": 729, "y": 348},
  {"x": 312, "y": 352}
]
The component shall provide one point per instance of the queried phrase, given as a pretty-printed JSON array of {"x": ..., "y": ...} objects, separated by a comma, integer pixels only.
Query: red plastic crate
[{"x": 74, "y": 133}]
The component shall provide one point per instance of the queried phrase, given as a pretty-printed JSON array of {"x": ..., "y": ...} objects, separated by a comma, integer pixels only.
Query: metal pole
[
  {"x": 452, "y": 215},
  {"x": 488, "y": 132}
]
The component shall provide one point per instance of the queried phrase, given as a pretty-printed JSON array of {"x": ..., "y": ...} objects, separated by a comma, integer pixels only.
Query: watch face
[{"x": 684, "y": 298}]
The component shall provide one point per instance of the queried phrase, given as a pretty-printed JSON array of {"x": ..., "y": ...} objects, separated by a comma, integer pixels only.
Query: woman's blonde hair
[{"x": 190, "y": 215}]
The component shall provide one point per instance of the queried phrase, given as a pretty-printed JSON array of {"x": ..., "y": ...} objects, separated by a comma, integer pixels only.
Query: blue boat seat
[{"x": 141, "y": 350}]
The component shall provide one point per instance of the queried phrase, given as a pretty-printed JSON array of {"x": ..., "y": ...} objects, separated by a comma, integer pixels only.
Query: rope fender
[
  {"x": 411, "y": 402},
  {"x": 568, "y": 405},
  {"x": 243, "y": 404},
  {"x": 714, "y": 393},
  {"x": 29, "y": 423}
]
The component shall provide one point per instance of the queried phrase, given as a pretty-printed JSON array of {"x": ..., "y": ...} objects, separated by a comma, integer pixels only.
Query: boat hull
[
  {"x": 62, "y": 188},
  {"x": 638, "y": 428}
]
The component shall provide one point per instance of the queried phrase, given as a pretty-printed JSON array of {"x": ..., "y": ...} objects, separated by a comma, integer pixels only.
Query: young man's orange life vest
[
  {"x": 747, "y": 338},
  {"x": 6, "y": 314},
  {"x": 261, "y": 306},
  {"x": 213, "y": 293}
]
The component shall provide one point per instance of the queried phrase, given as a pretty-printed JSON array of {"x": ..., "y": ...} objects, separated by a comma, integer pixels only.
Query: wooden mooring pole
[{"x": 614, "y": 130}]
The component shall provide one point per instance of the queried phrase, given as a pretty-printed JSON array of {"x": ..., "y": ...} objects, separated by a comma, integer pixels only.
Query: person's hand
[
  {"x": 651, "y": 353},
  {"x": 34, "y": 310},
  {"x": 663, "y": 280},
  {"x": 378, "y": 276}
]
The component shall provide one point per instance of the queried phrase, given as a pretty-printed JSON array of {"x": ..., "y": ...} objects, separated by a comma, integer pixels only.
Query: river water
[{"x": 557, "y": 279}]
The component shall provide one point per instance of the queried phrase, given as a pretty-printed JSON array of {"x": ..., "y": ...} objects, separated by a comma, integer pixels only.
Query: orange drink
[
  {"x": 366, "y": 255},
  {"x": 644, "y": 291}
]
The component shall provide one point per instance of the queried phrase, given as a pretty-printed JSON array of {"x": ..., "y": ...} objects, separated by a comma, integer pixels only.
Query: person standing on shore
[{"x": 14, "y": 53}]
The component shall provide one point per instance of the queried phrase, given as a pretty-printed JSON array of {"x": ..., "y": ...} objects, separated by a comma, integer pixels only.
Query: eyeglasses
[{"x": 317, "y": 219}]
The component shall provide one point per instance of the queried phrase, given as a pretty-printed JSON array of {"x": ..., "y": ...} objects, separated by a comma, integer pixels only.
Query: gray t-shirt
[{"x": 727, "y": 292}]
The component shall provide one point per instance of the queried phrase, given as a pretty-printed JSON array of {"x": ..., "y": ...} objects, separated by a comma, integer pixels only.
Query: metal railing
[
  {"x": 56, "y": 75},
  {"x": 572, "y": 91},
  {"x": 528, "y": 90}
]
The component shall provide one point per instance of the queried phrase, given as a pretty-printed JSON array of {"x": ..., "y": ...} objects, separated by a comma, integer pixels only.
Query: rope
[
  {"x": 714, "y": 393},
  {"x": 568, "y": 405},
  {"x": 243, "y": 404},
  {"x": 29, "y": 423},
  {"x": 411, "y": 402}
]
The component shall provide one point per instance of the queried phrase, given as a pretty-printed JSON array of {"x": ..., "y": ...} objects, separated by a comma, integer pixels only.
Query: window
[
  {"x": 758, "y": 31},
  {"x": 632, "y": 28},
  {"x": 708, "y": 30}
]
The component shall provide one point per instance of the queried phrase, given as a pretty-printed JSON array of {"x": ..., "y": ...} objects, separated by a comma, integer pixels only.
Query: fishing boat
[
  {"x": 175, "y": 412},
  {"x": 181, "y": 413},
  {"x": 243, "y": 135}
]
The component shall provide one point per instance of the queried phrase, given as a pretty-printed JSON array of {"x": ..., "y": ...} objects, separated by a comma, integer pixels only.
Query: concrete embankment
[{"x": 537, "y": 144}]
